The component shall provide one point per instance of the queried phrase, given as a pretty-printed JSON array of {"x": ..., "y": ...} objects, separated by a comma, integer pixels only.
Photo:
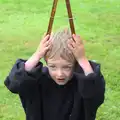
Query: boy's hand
[
  {"x": 44, "y": 46},
  {"x": 77, "y": 47}
]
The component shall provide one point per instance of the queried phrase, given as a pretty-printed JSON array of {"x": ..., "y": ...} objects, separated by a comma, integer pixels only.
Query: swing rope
[{"x": 51, "y": 20}]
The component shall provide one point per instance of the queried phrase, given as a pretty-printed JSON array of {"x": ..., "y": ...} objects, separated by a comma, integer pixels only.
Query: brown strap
[
  {"x": 53, "y": 14},
  {"x": 70, "y": 16}
]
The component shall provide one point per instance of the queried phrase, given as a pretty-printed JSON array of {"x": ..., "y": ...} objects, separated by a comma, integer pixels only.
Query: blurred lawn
[{"x": 23, "y": 22}]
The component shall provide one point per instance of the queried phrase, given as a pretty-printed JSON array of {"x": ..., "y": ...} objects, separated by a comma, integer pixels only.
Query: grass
[{"x": 23, "y": 22}]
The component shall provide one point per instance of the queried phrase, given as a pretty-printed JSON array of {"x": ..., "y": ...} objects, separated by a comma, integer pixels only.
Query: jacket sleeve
[
  {"x": 19, "y": 80},
  {"x": 92, "y": 90}
]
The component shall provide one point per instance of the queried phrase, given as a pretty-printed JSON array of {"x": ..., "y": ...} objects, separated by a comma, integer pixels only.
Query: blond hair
[{"x": 60, "y": 46}]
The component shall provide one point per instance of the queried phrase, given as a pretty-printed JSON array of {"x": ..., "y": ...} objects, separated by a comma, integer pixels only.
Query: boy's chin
[{"x": 62, "y": 82}]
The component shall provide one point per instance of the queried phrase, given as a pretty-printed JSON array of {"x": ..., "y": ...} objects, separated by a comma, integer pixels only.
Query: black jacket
[{"x": 43, "y": 99}]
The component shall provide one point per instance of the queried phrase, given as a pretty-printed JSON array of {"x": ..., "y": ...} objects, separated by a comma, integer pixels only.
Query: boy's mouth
[{"x": 60, "y": 79}]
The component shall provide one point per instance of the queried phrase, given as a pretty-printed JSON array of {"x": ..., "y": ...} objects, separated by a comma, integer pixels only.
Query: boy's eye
[
  {"x": 52, "y": 66},
  {"x": 67, "y": 67}
]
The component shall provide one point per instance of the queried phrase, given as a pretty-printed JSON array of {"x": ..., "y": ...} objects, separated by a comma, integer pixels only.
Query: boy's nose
[{"x": 60, "y": 73}]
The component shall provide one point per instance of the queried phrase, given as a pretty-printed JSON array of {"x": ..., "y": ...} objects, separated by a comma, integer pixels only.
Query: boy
[{"x": 69, "y": 88}]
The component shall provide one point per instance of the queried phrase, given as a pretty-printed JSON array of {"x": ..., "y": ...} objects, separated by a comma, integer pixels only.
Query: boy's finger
[
  {"x": 47, "y": 43},
  {"x": 76, "y": 38},
  {"x": 51, "y": 35},
  {"x": 72, "y": 42},
  {"x": 46, "y": 38},
  {"x": 70, "y": 47},
  {"x": 50, "y": 46}
]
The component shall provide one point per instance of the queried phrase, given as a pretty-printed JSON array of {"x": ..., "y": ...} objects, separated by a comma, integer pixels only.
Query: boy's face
[{"x": 60, "y": 70}]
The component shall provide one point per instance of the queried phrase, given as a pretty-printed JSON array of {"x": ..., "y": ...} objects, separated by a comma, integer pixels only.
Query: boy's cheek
[
  {"x": 69, "y": 74},
  {"x": 52, "y": 74}
]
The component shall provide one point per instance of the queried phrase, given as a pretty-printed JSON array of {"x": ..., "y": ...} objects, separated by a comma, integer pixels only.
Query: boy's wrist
[
  {"x": 84, "y": 63},
  {"x": 37, "y": 55},
  {"x": 32, "y": 61}
]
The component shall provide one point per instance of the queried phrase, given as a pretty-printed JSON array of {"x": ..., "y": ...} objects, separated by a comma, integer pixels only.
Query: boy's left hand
[{"x": 77, "y": 47}]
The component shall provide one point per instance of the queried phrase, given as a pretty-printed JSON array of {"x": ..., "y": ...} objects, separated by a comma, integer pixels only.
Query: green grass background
[{"x": 23, "y": 22}]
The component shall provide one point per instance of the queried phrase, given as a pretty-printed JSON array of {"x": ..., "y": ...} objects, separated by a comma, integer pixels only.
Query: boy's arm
[
  {"x": 21, "y": 80},
  {"x": 91, "y": 85},
  {"x": 91, "y": 88},
  {"x": 85, "y": 64},
  {"x": 24, "y": 74}
]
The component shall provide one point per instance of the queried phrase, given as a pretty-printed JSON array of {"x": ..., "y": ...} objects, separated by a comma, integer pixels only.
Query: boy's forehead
[{"x": 59, "y": 61}]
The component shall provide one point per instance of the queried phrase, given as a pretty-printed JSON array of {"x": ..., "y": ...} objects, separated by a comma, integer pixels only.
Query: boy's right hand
[{"x": 44, "y": 46}]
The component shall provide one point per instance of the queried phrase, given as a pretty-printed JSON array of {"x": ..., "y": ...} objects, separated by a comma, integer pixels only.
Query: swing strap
[{"x": 53, "y": 14}]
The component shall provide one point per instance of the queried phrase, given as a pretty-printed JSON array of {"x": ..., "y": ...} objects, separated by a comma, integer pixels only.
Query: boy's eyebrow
[
  {"x": 51, "y": 64},
  {"x": 63, "y": 65},
  {"x": 68, "y": 65}
]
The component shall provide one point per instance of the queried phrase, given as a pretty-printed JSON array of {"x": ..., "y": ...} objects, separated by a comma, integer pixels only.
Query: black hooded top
[{"x": 43, "y": 99}]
